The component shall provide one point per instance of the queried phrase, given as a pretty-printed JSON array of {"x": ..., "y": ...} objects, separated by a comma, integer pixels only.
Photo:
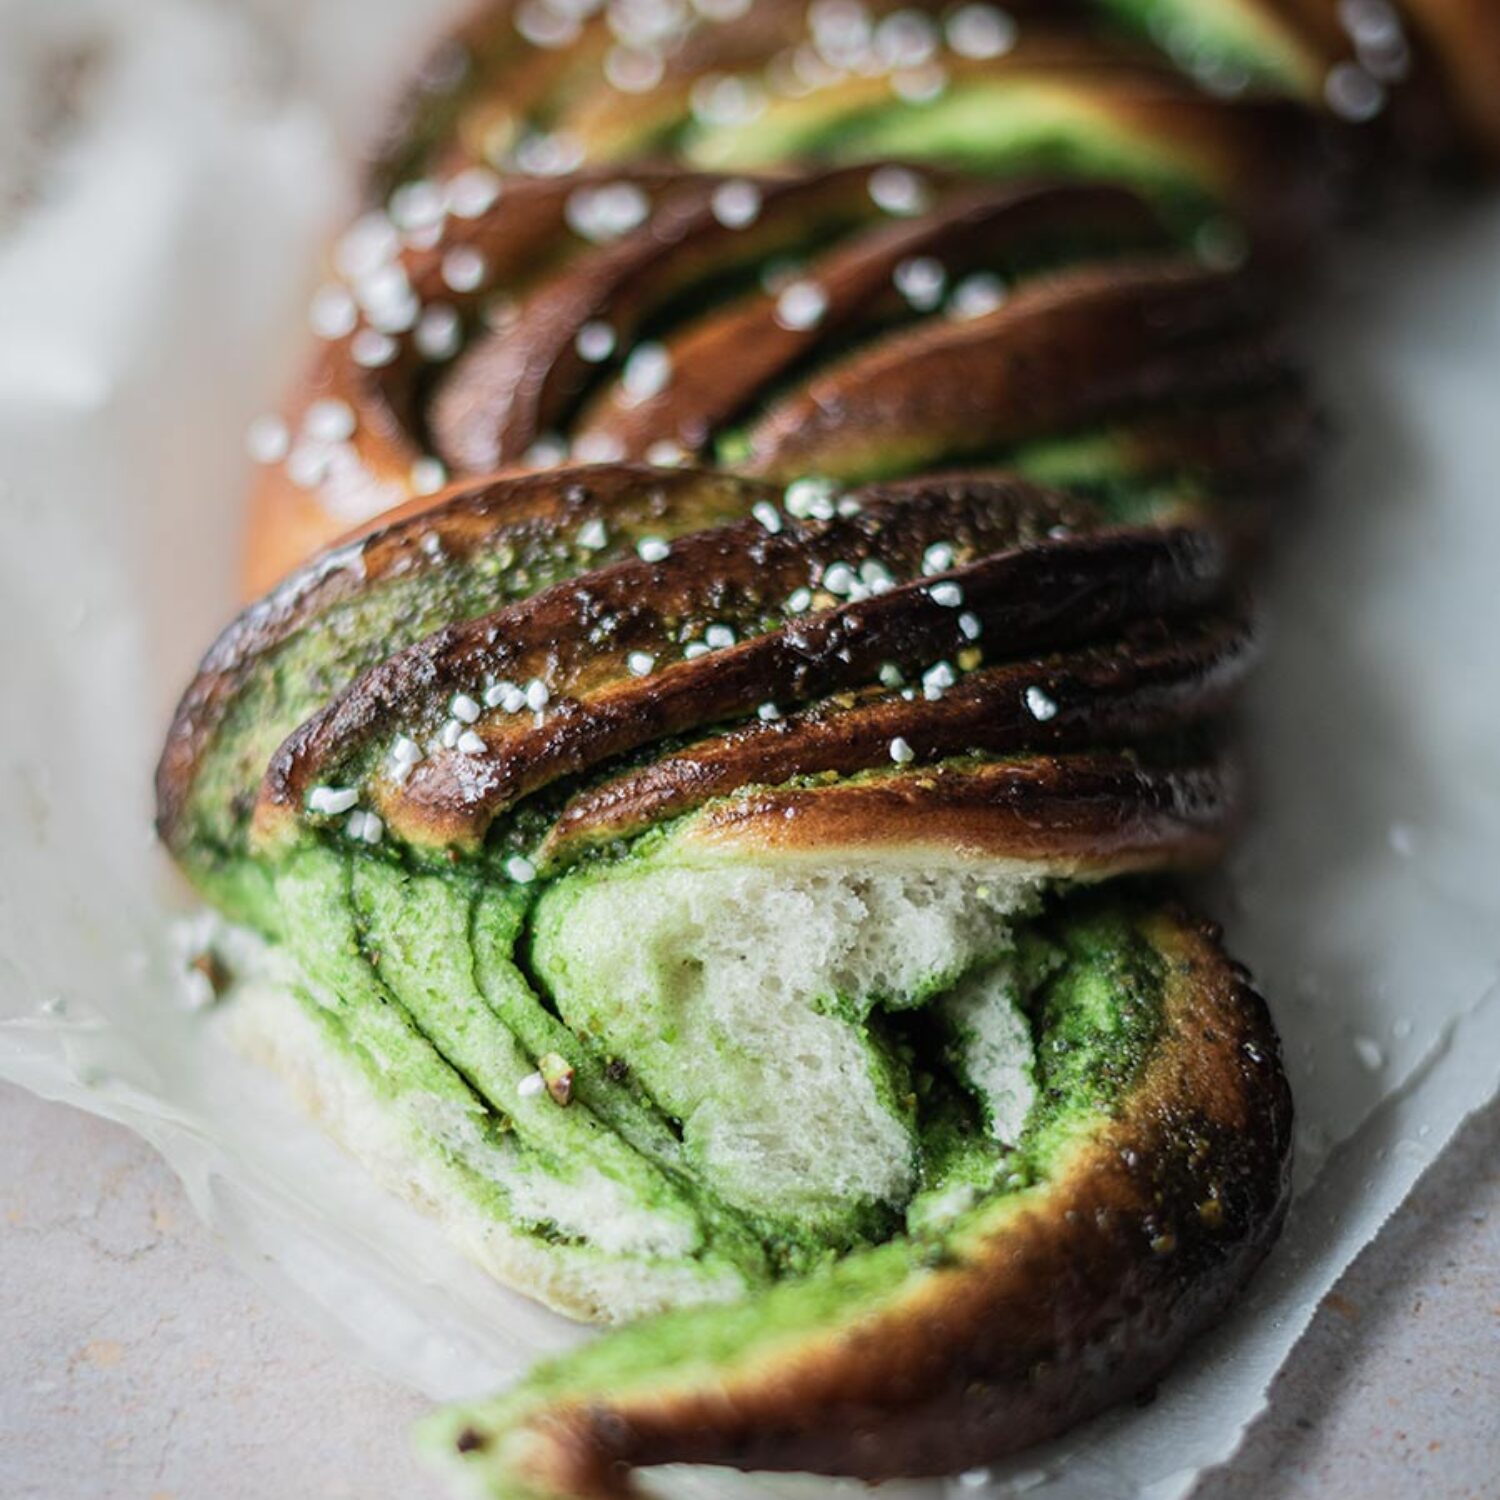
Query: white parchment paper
[{"x": 168, "y": 170}]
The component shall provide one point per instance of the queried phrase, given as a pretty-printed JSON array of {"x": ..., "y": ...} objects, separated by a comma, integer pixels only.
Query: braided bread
[{"x": 710, "y": 815}]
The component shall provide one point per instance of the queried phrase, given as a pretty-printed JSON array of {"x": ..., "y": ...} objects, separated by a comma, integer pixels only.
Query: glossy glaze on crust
[
  {"x": 962, "y": 680},
  {"x": 1068, "y": 351},
  {"x": 610, "y": 646},
  {"x": 686, "y": 657},
  {"x": 504, "y": 529},
  {"x": 1151, "y": 682},
  {"x": 720, "y": 364},
  {"x": 1051, "y": 1305},
  {"x": 516, "y": 381},
  {"x": 530, "y": 329}
]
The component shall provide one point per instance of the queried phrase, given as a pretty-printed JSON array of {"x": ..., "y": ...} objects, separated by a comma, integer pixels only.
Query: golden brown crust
[
  {"x": 1070, "y": 1297},
  {"x": 1062, "y": 353},
  {"x": 1081, "y": 816},
  {"x": 379, "y": 377}
]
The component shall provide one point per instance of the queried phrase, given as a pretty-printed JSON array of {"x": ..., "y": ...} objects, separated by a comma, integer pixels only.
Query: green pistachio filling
[
  {"x": 1226, "y": 43},
  {"x": 709, "y": 1075},
  {"x": 1075, "y": 1007}
]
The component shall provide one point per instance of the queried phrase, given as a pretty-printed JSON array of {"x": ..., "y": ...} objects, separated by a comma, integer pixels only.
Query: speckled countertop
[{"x": 140, "y": 1363}]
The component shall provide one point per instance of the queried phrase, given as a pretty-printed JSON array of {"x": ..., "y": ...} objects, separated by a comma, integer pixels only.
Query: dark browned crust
[
  {"x": 1153, "y": 681},
  {"x": 422, "y": 540},
  {"x": 1421, "y": 122},
  {"x": 579, "y": 636},
  {"x": 513, "y": 384},
  {"x": 1066, "y": 351},
  {"x": 721, "y": 363},
  {"x": 1287, "y": 170},
  {"x": 1080, "y": 1296}
]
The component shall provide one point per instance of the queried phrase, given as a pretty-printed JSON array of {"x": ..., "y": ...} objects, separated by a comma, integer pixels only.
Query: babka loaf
[
  {"x": 683, "y": 885},
  {"x": 713, "y": 814}
]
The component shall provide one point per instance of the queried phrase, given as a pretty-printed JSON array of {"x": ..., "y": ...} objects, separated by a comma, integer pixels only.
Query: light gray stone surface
[{"x": 139, "y": 1363}]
